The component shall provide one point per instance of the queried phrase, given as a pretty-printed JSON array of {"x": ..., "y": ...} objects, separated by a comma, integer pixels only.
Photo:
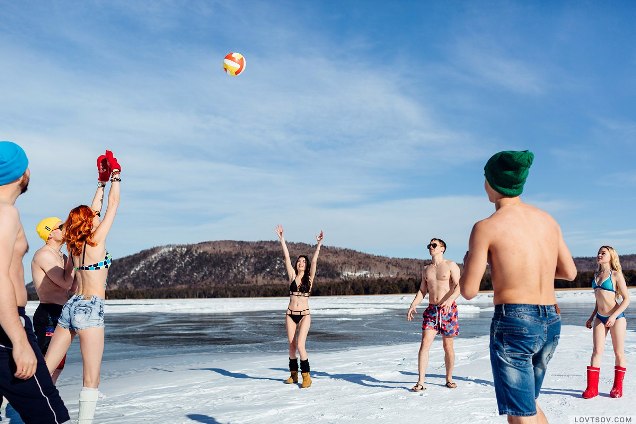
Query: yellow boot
[
  {"x": 306, "y": 380},
  {"x": 293, "y": 378}
]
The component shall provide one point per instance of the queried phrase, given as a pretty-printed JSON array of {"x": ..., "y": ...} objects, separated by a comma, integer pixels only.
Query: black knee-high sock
[
  {"x": 304, "y": 365},
  {"x": 293, "y": 364}
]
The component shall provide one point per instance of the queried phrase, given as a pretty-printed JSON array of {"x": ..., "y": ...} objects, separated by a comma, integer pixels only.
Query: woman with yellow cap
[{"x": 83, "y": 314}]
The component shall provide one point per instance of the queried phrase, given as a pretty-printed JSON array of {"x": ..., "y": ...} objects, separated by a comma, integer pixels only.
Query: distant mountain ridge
[
  {"x": 244, "y": 268},
  {"x": 244, "y": 262}
]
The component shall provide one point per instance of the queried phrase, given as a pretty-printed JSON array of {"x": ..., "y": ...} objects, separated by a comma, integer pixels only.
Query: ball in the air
[{"x": 234, "y": 64}]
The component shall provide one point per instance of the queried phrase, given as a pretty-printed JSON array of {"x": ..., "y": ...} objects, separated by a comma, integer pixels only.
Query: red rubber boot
[
  {"x": 619, "y": 375},
  {"x": 592, "y": 382}
]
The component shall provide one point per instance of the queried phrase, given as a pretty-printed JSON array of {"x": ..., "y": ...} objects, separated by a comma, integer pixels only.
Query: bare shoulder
[
  {"x": 8, "y": 212},
  {"x": 482, "y": 227},
  {"x": 540, "y": 212},
  {"x": 42, "y": 255},
  {"x": 9, "y": 218},
  {"x": 425, "y": 270},
  {"x": 38, "y": 254}
]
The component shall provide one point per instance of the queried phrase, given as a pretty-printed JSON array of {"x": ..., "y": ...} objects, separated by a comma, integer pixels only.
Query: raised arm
[
  {"x": 314, "y": 259},
  {"x": 113, "y": 200},
  {"x": 98, "y": 199},
  {"x": 291, "y": 274},
  {"x": 103, "y": 174},
  {"x": 475, "y": 261},
  {"x": 22, "y": 352}
]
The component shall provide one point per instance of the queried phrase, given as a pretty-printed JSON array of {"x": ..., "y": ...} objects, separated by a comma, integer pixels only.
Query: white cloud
[
  {"x": 486, "y": 62},
  {"x": 314, "y": 133}
]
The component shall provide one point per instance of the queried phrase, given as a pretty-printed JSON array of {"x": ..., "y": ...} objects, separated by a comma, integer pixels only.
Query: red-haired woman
[{"x": 83, "y": 314}]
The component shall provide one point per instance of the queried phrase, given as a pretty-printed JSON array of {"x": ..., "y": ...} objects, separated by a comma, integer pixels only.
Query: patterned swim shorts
[{"x": 445, "y": 324}]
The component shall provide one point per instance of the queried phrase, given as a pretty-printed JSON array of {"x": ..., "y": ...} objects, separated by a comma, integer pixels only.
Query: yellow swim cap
[{"x": 47, "y": 225}]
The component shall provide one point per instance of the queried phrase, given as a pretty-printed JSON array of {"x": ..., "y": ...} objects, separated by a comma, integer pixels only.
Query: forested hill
[{"x": 241, "y": 268}]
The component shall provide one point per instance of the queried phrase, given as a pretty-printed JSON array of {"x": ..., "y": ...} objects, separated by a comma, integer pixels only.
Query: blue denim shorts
[
  {"x": 523, "y": 339},
  {"x": 79, "y": 313}
]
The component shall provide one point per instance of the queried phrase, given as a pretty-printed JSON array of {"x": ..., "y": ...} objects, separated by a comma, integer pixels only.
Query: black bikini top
[{"x": 303, "y": 290}]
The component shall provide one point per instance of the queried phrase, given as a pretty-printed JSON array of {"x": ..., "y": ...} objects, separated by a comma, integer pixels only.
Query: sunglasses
[
  {"x": 61, "y": 227},
  {"x": 433, "y": 245}
]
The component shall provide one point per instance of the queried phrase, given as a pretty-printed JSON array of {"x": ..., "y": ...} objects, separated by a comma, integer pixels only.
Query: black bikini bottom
[{"x": 296, "y": 316}]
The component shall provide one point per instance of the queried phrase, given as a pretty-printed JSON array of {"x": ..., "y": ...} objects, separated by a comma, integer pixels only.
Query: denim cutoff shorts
[
  {"x": 79, "y": 313},
  {"x": 523, "y": 339}
]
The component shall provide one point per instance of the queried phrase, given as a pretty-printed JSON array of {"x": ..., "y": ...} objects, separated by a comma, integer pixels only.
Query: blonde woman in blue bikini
[{"x": 608, "y": 315}]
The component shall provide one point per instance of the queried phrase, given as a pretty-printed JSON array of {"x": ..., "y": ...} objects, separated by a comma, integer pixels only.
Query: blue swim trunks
[{"x": 35, "y": 399}]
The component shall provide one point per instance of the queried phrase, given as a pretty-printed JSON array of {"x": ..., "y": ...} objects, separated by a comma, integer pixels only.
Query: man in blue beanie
[
  {"x": 24, "y": 378},
  {"x": 526, "y": 252}
]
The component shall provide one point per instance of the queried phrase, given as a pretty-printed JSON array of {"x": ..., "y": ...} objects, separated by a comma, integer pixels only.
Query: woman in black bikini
[
  {"x": 297, "y": 318},
  {"x": 83, "y": 314}
]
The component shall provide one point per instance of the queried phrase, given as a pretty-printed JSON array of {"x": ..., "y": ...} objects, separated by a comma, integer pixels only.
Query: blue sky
[{"x": 371, "y": 120}]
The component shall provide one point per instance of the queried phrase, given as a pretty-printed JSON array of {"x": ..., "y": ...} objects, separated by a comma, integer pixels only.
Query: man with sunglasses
[
  {"x": 526, "y": 252},
  {"x": 440, "y": 280},
  {"x": 24, "y": 378},
  {"x": 52, "y": 273}
]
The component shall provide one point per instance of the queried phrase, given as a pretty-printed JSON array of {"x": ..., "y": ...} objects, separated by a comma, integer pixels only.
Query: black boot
[
  {"x": 293, "y": 369},
  {"x": 304, "y": 371}
]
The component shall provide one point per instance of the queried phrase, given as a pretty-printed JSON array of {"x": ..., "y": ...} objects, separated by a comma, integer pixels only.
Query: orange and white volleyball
[{"x": 234, "y": 64}]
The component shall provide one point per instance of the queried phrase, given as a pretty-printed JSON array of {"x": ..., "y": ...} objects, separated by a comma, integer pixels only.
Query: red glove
[
  {"x": 112, "y": 161},
  {"x": 103, "y": 169}
]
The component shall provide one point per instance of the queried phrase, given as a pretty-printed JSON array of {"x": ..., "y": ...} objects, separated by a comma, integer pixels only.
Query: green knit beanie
[{"x": 506, "y": 172}]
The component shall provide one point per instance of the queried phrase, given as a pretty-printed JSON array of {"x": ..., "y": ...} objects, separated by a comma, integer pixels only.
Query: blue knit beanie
[{"x": 13, "y": 162}]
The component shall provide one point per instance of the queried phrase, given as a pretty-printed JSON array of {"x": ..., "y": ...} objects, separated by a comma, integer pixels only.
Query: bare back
[
  {"x": 523, "y": 250},
  {"x": 48, "y": 291},
  {"x": 91, "y": 282}
]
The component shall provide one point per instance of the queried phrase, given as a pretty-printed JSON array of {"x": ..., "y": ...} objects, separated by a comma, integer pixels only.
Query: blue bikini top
[
  {"x": 605, "y": 285},
  {"x": 108, "y": 260}
]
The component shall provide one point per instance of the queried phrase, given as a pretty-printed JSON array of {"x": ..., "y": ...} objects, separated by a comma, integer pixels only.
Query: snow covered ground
[{"x": 359, "y": 385}]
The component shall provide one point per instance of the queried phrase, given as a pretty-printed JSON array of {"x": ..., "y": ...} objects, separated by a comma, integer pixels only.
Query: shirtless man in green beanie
[{"x": 526, "y": 252}]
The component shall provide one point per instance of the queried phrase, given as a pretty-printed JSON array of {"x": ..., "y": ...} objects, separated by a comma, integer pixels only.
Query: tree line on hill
[
  {"x": 358, "y": 286},
  {"x": 257, "y": 269}
]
